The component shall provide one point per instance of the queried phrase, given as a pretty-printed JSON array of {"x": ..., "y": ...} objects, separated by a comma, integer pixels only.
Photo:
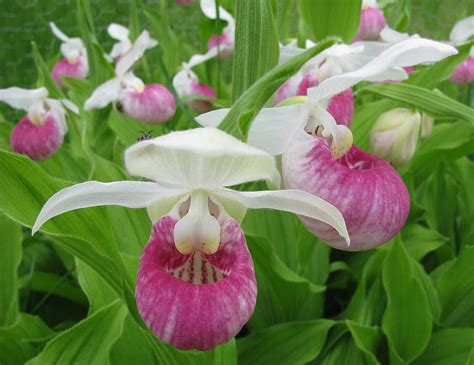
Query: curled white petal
[
  {"x": 273, "y": 129},
  {"x": 391, "y": 36},
  {"x": 57, "y": 32},
  {"x": 131, "y": 194},
  {"x": 23, "y": 99},
  {"x": 70, "y": 105},
  {"x": 199, "y": 158},
  {"x": 462, "y": 30},
  {"x": 212, "y": 118},
  {"x": 200, "y": 58},
  {"x": 135, "y": 52},
  {"x": 208, "y": 7},
  {"x": 294, "y": 201},
  {"x": 406, "y": 53},
  {"x": 118, "y": 32},
  {"x": 106, "y": 93}
]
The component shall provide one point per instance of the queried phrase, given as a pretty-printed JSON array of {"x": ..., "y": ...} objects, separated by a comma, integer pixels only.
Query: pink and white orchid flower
[
  {"x": 318, "y": 156},
  {"x": 186, "y": 84},
  {"x": 224, "y": 42},
  {"x": 149, "y": 103},
  {"x": 40, "y": 133},
  {"x": 372, "y": 21},
  {"x": 196, "y": 285},
  {"x": 461, "y": 32},
  {"x": 122, "y": 35},
  {"x": 75, "y": 63}
]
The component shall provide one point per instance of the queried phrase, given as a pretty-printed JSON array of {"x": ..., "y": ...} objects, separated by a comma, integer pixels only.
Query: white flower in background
[
  {"x": 75, "y": 63},
  {"x": 394, "y": 136},
  {"x": 224, "y": 42},
  {"x": 186, "y": 83},
  {"x": 122, "y": 35},
  {"x": 196, "y": 237},
  {"x": 274, "y": 129},
  {"x": 461, "y": 32},
  {"x": 41, "y": 132},
  {"x": 149, "y": 103}
]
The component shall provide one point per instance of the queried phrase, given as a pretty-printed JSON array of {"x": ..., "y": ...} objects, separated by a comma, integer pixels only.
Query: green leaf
[
  {"x": 287, "y": 343},
  {"x": 456, "y": 290},
  {"x": 283, "y": 295},
  {"x": 419, "y": 240},
  {"x": 44, "y": 74},
  {"x": 429, "y": 76},
  {"x": 407, "y": 320},
  {"x": 433, "y": 102},
  {"x": 238, "y": 120},
  {"x": 453, "y": 346},
  {"x": 88, "y": 342},
  {"x": 328, "y": 18},
  {"x": 366, "y": 338},
  {"x": 11, "y": 249},
  {"x": 398, "y": 14},
  {"x": 256, "y": 44}
]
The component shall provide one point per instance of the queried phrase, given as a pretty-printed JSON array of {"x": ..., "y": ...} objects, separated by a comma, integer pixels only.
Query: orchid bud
[
  {"x": 395, "y": 135},
  {"x": 426, "y": 125},
  {"x": 372, "y": 21},
  {"x": 150, "y": 103},
  {"x": 464, "y": 72}
]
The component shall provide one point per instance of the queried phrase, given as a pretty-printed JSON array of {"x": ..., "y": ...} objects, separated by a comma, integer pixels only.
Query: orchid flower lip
[{"x": 200, "y": 163}]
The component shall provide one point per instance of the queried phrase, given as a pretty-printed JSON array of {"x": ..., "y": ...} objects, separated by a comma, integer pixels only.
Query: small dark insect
[{"x": 144, "y": 136}]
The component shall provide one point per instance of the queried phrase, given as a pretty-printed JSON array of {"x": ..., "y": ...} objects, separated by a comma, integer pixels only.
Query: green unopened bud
[
  {"x": 426, "y": 125},
  {"x": 395, "y": 135}
]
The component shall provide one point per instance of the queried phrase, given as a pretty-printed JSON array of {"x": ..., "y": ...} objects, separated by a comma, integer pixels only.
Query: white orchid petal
[
  {"x": 131, "y": 194},
  {"x": 391, "y": 36},
  {"x": 135, "y": 52},
  {"x": 106, "y": 93},
  {"x": 23, "y": 99},
  {"x": 288, "y": 52},
  {"x": 199, "y": 158},
  {"x": 407, "y": 53},
  {"x": 462, "y": 30},
  {"x": 294, "y": 201},
  {"x": 57, "y": 32},
  {"x": 119, "y": 49},
  {"x": 183, "y": 82},
  {"x": 119, "y": 32},
  {"x": 72, "y": 48},
  {"x": 273, "y": 129},
  {"x": 200, "y": 58},
  {"x": 208, "y": 7},
  {"x": 212, "y": 118},
  {"x": 70, "y": 105},
  {"x": 152, "y": 43}
]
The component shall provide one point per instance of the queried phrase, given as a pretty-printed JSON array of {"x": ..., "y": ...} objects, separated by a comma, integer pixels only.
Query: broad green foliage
[{"x": 67, "y": 294}]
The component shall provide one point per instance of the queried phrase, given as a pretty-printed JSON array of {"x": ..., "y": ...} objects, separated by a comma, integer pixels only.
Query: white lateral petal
[
  {"x": 199, "y": 158},
  {"x": 212, "y": 118},
  {"x": 406, "y": 53},
  {"x": 106, "y": 93},
  {"x": 200, "y": 58},
  {"x": 137, "y": 50},
  {"x": 183, "y": 81},
  {"x": 19, "y": 98},
  {"x": 462, "y": 30},
  {"x": 288, "y": 52},
  {"x": 72, "y": 48},
  {"x": 119, "y": 49},
  {"x": 60, "y": 35},
  {"x": 118, "y": 32},
  {"x": 208, "y": 7},
  {"x": 131, "y": 194},
  {"x": 273, "y": 129},
  {"x": 70, "y": 105},
  {"x": 294, "y": 201},
  {"x": 391, "y": 36},
  {"x": 152, "y": 43}
]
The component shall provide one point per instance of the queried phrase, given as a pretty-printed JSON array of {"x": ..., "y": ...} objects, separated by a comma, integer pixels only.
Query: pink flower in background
[
  {"x": 372, "y": 21},
  {"x": 464, "y": 72},
  {"x": 75, "y": 63},
  {"x": 196, "y": 284},
  {"x": 40, "y": 133},
  {"x": 460, "y": 34},
  {"x": 149, "y": 103},
  {"x": 224, "y": 42}
]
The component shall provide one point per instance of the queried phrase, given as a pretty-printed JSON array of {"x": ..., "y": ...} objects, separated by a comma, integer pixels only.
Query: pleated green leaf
[
  {"x": 256, "y": 44},
  {"x": 327, "y": 18}
]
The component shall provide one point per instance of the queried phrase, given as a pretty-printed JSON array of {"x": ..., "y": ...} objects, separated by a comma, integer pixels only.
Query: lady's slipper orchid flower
[
  {"x": 150, "y": 103},
  {"x": 394, "y": 135},
  {"x": 40, "y": 133},
  {"x": 196, "y": 285},
  {"x": 224, "y": 42},
  {"x": 372, "y": 21},
  {"x": 366, "y": 189},
  {"x": 122, "y": 35},
  {"x": 186, "y": 84},
  {"x": 461, "y": 32},
  {"x": 75, "y": 63}
]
